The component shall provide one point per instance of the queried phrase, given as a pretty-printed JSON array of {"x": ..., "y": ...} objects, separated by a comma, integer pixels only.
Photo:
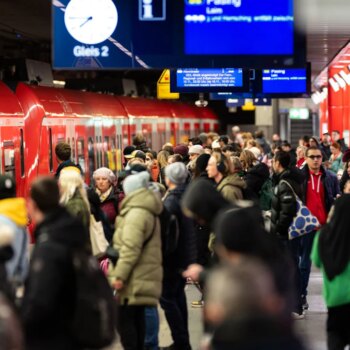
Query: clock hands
[{"x": 87, "y": 20}]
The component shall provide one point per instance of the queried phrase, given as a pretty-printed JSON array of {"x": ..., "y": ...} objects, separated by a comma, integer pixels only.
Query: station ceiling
[{"x": 326, "y": 31}]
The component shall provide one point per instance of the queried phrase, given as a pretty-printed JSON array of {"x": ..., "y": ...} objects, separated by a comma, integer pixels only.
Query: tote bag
[
  {"x": 303, "y": 222},
  {"x": 98, "y": 240}
]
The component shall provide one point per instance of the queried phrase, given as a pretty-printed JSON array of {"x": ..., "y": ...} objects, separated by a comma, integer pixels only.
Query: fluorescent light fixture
[{"x": 335, "y": 86}]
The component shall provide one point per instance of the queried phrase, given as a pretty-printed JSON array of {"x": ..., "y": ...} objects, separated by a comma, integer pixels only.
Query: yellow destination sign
[{"x": 163, "y": 87}]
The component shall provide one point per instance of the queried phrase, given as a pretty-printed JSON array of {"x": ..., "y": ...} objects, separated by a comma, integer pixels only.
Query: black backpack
[
  {"x": 169, "y": 226},
  {"x": 93, "y": 324}
]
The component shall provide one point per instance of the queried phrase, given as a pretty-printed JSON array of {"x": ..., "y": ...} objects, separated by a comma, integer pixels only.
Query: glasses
[{"x": 315, "y": 157}]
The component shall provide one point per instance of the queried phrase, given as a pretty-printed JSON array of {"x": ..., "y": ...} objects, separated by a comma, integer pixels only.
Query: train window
[
  {"x": 80, "y": 151},
  {"x": 9, "y": 158},
  {"x": 100, "y": 150},
  {"x": 50, "y": 151},
  {"x": 73, "y": 149},
  {"x": 91, "y": 155},
  {"x": 22, "y": 152}
]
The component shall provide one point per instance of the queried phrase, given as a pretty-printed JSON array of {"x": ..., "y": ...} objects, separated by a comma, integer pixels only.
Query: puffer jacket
[
  {"x": 283, "y": 206},
  {"x": 13, "y": 214},
  {"x": 231, "y": 187},
  {"x": 138, "y": 241}
]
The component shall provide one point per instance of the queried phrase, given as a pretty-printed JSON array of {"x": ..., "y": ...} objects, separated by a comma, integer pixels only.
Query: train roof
[{"x": 9, "y": 104}]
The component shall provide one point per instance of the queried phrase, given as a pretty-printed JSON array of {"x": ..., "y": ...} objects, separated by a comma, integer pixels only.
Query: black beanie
[{"x": 202, "y": 162}]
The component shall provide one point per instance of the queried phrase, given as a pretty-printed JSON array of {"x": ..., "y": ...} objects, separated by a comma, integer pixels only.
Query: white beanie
[
  {"x": 176, "y": 173},
  {"x": 134, "y": 182},
  {"x": 215, "y": 144},
  {"x": 106, "y": 173},
  {"x": 255, "y": 151},
  {"x": 196, "y": 149}
]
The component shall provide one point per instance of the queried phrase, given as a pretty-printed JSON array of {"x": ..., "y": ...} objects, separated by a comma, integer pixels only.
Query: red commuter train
[{"x": 34, "y": 119}]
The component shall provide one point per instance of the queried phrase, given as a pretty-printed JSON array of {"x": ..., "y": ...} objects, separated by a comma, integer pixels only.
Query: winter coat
[
  {"x": 326, "y": 150},
  {"x": 77, "y": 207},
  {"x": 255, "y": 178},
  {"x": 48, "y": 302},
  {"x": 66, "y": 164},
  {"x": 330, "y": 183},
  {"x": 13, "y": 213},
  {"x": 138, "y": 241},
  {"x": 186, "y": 251},
  {"x": 283, "y": 205},
  {"x": 231, "y": 187},
  {"x": 343, "y": 145},
  {"x": 110, "y": 207},
  {"x": 6, "y": 253}
]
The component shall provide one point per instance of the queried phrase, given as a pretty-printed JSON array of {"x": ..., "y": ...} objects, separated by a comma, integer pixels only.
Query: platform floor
[{"x": 311, "y": 329}]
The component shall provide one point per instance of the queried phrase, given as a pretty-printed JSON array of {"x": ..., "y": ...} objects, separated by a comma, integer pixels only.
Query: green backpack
[{"x": 265, "y": 195}]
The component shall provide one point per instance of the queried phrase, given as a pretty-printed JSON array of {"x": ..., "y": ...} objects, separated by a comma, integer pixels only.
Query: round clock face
[{"x": 91, "y": 21}]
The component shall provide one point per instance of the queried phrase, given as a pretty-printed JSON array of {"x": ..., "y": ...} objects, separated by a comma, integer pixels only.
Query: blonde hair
[
  {"x": 247, "y": 159},
  {"x": 162, "y": 158},
  {"x": 70, "y": 182}
]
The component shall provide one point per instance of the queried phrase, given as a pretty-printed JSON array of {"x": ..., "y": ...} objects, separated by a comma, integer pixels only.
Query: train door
[
  {"x": 196, "y": 128},
  {"x": 70, "y": 137},
  {"x": 98, "y": 143}
]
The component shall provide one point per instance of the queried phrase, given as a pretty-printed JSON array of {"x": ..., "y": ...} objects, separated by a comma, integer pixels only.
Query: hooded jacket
[
  {"x": 255, "y": 178},
  {"x": 48, "y": 302},
  {"x": 330, "y": 183},
  {"x": 284, "y": 206},
  {"x": 137, "y": 239},
  {"x": 231, "y": 187},
  {"x": 186, "y": 251},
  {"x": 13, "y": 213}
]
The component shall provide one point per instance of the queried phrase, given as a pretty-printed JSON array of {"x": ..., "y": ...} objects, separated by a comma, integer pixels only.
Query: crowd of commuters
[{"x": 216, "y": 211}]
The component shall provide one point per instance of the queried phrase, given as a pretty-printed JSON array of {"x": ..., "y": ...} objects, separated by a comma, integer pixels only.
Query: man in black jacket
[
  {"x": 63, "y": 153},
  {"x": 336, "y": 138},
  {"x": 49, "y": 297},
  {"x": 173, "y": 299},
  {"x": 288, "y": 183}
]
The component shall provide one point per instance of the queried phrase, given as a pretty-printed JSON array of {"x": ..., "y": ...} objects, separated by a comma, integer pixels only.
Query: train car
[
  {"x": 97, "y": 127},
  {"x": 12, "y": 137}
]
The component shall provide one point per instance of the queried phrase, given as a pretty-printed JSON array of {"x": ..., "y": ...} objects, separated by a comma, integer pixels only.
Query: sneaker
[
  {"x": 197, "y": 304},
  {"x": 298, "y": 316},
  {"x": 304, "y": 303}
]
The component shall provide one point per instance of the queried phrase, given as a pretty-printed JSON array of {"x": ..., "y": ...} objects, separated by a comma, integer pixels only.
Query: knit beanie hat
[
  {"x": 181, "y": 149},
  {"x": 196, "y": 149},
  {"x": 106, "y": 173},
  {"x": 202, "y": 162},
  {"x": 176, "y": 173},
  {"x": 134, "y": 182}
]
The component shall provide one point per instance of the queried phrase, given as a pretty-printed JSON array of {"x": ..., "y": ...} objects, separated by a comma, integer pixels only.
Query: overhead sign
[
  {"x": 234, "y": 102},
  {"x": 262, "y": 101},
  {"x": 227, "y": 95},
  {"x": 299, "y": 113},
  {"x": 163, "y": 87}
]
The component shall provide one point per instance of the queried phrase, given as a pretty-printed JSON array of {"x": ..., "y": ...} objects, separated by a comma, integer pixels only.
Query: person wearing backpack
[
  {"x": 50, "y": 290},
  {"x": 137, "y": 274},
  {"x": 173, "y": 300}
]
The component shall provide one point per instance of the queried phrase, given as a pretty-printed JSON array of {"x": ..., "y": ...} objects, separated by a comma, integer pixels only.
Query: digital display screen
[
  {"x": 113, "y": 34},
  {"x": 239, "y": 27},
  {"x": 227, "y": 95},
  {"x": 284, "y": 81},
  {"x": 206, "y": 80}
]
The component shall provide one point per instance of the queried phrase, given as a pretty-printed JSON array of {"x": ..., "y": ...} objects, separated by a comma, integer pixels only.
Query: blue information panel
[
  {"x": 284, "y": 81},
  {"x": 239, "y": 27},
  {"x": 206, "y": 80},
  {"x": 122, "y": 34},
  {"x": 228, "y": 95}
]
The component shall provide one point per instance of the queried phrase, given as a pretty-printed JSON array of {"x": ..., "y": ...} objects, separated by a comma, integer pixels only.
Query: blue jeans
[
  {"x": 152, "y": 327},
  {"x": 305, "y": 262}
]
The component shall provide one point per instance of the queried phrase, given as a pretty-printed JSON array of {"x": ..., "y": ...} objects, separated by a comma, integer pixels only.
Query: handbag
[
  {"x": 304, "y": 221},
  {"x": 99, "y": 244}
]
